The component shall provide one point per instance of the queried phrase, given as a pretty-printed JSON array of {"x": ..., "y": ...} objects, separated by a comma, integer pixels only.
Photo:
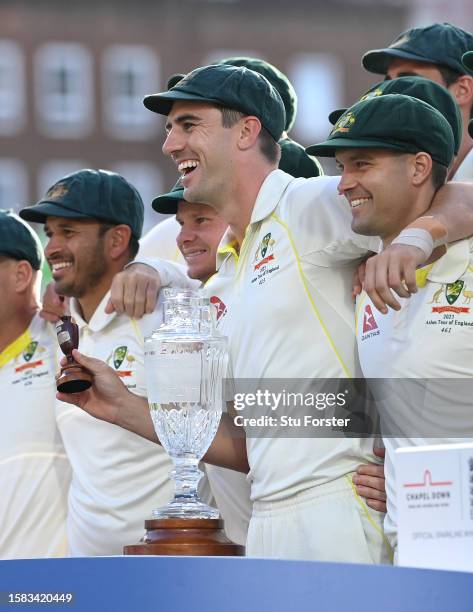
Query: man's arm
[
  {"x": 109, "y": 400},
  {"x": 449, "y": 218}
]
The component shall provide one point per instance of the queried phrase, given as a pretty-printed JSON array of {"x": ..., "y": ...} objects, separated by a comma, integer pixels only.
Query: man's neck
[
  {"x": 88, "y": 303},
  {"x": 418, "y": 209},
  {"x": 15, "y": 325},
  {"x": 237, "y": 208}
]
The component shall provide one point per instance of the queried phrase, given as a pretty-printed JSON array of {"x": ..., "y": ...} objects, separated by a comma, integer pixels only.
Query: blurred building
[{"x": 73, "y": 74}]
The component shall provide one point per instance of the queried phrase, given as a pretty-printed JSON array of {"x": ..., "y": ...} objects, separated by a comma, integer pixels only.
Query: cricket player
[
  {"x": 434, "y": 52},
  {"x": 34, "y": 470},
  {"x": 390, "y": 175},
  {"x": 286, "y": 263}
]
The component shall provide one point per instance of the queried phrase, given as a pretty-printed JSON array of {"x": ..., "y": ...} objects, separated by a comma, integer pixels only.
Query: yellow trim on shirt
[
  {"x": 421, "y": 275},
  {"x": 311, "y": 299},
  {"x": 137, "y": 331},
  {"x": 15, "y": 348},
  {"x": 366, "y": 512}
]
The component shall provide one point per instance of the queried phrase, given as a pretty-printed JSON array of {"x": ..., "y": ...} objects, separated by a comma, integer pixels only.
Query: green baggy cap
[
  {"x": 277, "y": 79},
  {"x": 228, "y": 86},
  {"x": 422, "y": 89},
  {"x": 91, "y": 194},
  {"x": 18, "y": 240},
  {"x": 392, "y": 121},
  {"x": 440, "y": 43},
  {"x": 294, "y": 160},
  {"x": 467, "y": 60}
]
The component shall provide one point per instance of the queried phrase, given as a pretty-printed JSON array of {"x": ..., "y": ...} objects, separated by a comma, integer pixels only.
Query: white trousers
[{"x": 329, "y": 522}]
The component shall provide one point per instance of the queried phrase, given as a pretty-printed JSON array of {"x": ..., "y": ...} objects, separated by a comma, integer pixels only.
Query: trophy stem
[{"x": 186, "y": 503}]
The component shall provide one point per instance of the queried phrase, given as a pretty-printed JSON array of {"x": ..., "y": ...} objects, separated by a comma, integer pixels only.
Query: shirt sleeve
[
  {"x": 171, "y": 274},
  {"x": 319, "y": 220}
]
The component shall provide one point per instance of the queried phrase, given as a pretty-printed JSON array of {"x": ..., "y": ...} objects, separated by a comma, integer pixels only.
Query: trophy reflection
[{"x": 74, "y": 378}]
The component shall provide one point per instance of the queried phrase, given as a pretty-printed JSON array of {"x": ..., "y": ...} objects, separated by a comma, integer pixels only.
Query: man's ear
[
  {"x": 23, "y": 275},
  {"x": 462, "y": 91},
  {"x": 421, "y": 168},
  {"x": 249, "y": 132},
  {"x": 118, "y": 239}
]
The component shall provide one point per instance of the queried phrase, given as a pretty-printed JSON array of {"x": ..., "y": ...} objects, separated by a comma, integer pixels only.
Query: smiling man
[
  {"x": 390, "y": 175},
  {"x": 284, "y": 273},
  {"x": 93, "y": 220}
]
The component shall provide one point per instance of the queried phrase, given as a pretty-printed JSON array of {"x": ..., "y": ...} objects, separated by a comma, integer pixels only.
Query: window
[
  {"x": 317, "y": 79},
  {"x": 148, "y": 180},
  {"x": 64, "y": 91},
  {"x": 13, "y": 184},
  {"x": 130, "y": 72},
  {"x": 54, "y": 170},
  {"x": 12, "y": 88}
]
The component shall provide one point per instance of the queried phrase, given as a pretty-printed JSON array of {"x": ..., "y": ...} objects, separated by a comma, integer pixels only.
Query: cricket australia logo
[
  {"x": 452, "y": 292},
  {"x": 117, "y": 357},
  {"x": 30, "y": 351},
  {"x": 344, "y": 123},
  {"x": 264, "y": 252}
]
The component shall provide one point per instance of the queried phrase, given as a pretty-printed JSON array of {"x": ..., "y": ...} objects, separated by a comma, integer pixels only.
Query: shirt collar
[
  {"x": 270, "y": 194},
  {"x": 99, "y": 320},
  {"x": 452, "y": 265}
]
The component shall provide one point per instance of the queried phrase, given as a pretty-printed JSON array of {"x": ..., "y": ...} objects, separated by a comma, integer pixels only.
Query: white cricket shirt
[
  {"x": 34, "y": 470},
  {"x": 285, "y": 303},
  {"x": 118, "y": 476},
  {"x": 430, "y": 339}
]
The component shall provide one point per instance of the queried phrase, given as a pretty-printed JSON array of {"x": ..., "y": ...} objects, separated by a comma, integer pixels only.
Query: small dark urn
[{"x": 74, "y": 378}]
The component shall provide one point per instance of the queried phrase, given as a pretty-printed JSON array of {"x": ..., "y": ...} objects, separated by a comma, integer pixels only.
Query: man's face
[
  {"x": 403, "y": 67},
  {"x": 76, "y": 254},
  {"x": 376, "y": 184},
  {"x": 201, "y": 232},
  {"x": 201, "y": 148}
]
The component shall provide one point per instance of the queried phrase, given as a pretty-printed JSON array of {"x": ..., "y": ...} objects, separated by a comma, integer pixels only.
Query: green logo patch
[
  {"x": 453, "y": 291},
  {"x": 29, "y": 351},
  {"x": 119, "y": 355}
]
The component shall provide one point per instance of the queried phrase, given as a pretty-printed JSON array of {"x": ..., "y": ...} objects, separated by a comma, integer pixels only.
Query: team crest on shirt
[
  {"x": 30, "y": 350},
  {"x": 263, "y": 260},
  {"x": 120, "y": 356},
  {"x": 446, "y": 316},
  {"x": 220, "y": 307},
  {"x": 370, "y": 327}
]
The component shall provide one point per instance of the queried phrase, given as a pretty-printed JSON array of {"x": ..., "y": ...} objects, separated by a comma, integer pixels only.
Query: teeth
[
  {"x": 193, "y": 254},
  {"x": 358, "y": 202},
  {"x": 189, "y": 163},
  {"x": 60, "y": 265}
]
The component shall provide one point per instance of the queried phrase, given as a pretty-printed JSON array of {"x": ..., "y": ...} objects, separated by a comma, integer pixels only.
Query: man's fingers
[
  {"x": 370, "y": 493},
  {"x": 395, "y": 280},
  {"x": 109, "y": 307},
  {"x": 116, "y": 294},
  {"x": 379, "y": 451},
  {"x": 409, "y": 274},
  {"x": 134, "y": 297},
  {"x": 378, "y": 505},
  {"x": 152, "y": 292},
  {"x": 95, "y": 366},
  {"x": 370, "y": 469}
]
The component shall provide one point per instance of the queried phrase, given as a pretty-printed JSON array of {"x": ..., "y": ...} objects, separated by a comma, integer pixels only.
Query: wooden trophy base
[
  {"x": 73, "y": 379},
  {"x": 189, "y": 537}
]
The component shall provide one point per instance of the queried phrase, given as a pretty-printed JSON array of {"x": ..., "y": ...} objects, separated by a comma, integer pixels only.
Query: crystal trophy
[{"x": 186, "y": 362}]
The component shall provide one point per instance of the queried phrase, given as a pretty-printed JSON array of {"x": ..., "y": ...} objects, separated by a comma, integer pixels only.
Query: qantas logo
[
  {"x": 369, "y": 322},
  {"x": 219, "y": 306}
]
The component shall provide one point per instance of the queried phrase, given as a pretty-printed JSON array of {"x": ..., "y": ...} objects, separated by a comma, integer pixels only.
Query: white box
[{"x": 435, "y": 506}]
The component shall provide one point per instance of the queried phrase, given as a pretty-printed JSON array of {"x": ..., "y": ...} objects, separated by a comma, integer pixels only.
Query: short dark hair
[
  {"x": 133, "y": 244},
  {"x": 268, "y": 146},
  {"x": 439, "y": 175}
]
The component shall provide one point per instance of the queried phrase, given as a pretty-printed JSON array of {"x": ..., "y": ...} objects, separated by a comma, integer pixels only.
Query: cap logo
[
  {"x": 344, "y": 123},
  {"x": 372, "y": 94},
  {"x": 402, "y": 41},
  {"x": 57, "y": 191}
]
